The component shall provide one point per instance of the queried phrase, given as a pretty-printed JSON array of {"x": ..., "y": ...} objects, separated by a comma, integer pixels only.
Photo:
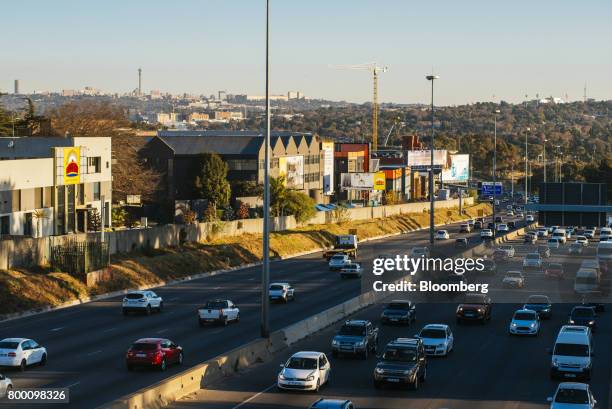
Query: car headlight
[
  {"x": 555, "y": 363},
  {"x": 407, "y": 371},
  {"x": 591, "y": 322},
  {"x": 481, "y": 310},
  {"x": 378, "y": 371},
  {"x": 335, "y": 342},
  {"x": 281, "y": 376},
  {"x": 513, "y": 325},
  {"x": 532, "y": 325},
  {"x": 571, "y": 321},
  {"x": 360, "y": 343},
  {"x": 310, "y": 378}
]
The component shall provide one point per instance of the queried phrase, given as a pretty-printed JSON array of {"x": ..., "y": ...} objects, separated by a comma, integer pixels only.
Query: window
[
  {"x": 4, "y": 226},
  {"x": 96, "y": 191},
  {"x": 93, "y": 164}
]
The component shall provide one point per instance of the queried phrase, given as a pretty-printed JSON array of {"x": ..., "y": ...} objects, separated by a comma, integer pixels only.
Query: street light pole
[
  {"x": 526, "y": 167},
  {"x": 265, "y": 276},
  {"x": 431, "y": 78},
  {"x": 494, "y": 168},
  {"x": 512, "y": 181},
  {"x": 544, "y": 158}
]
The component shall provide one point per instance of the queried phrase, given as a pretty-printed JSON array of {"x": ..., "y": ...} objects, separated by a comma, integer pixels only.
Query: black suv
[
  {"x": 403, "y": 363},
  {"x": 400, "y": 312}
]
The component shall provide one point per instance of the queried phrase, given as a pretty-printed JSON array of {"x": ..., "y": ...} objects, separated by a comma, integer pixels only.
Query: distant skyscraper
[
  {"x": 139, "y": 81},
  {"x": 16, "y": 86}
]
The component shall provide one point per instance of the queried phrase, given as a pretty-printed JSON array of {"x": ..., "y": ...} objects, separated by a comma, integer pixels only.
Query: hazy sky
[{"x": 482, "y": 50}]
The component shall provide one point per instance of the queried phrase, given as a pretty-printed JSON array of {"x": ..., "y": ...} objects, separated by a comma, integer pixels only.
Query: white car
[
  {"x": 442, "y": 235},
  {"x": 532, "y": 260},
  {"x": 509, "y": 249},
  {"x": 486, "y": 233},
  {"x": 510, "y": 213},
  {"x": 542, "y": 232},
  {"x": 529, "y": 218},
  {"x": 525, "y": 322},
  {"x": 5, "y": 385},
  {"x": 503, "y": 227},
  {"x": 142, "y": 301},
  {"x": 417, "y": 252},
  {"x": 351, "y": 270},
  {"x": 281, "y": 292},
  {"x": 306, "y": 370},
  {"x": 337, "y": 261},
  {"x": 553, "y": 243},
  {"x": 437, "y": 339},
  {"x": 575, "y": 248},
  {"x": 21, "y": 353},
  {"x": 589, "y": 234},
  {"x": 514, "y": 279},
  {"x": 572, "y": 395},
  {"x": 582, "y": 240}
]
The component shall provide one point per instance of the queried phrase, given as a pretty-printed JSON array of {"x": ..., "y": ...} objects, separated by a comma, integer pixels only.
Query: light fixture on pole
[
  {"x": 265, "y": 276},
  {"x": 544, "y": 158},
  {"x": 494, "y": 168},
  {"x": 526, "y": 167},
  {"x": 431, "y": 78}
]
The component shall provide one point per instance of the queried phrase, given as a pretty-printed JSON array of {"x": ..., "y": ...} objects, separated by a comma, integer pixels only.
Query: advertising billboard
[
  {"x": 359, "y": 181},
  {"x": 422, "y": 159},
  {"x": 328, "y": 167},
  {"x": 292, "y": 168},
  {"x": 379, "y": 181},
  {"x": 459, "y": 170},
  {"x": 72, "y": 165}
]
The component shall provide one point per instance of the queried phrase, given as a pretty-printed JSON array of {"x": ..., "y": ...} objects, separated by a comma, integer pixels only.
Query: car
[
  {"x": 582, "y": 240},
  {"x": 281, "y": 292},
  {"x": 337, "y": 261},
  {"x": 551, "y": 229},
  {"x": 304, "y": 370},
  {"x": 530, "y": 238},
  {"x": 489, "y": 266},
  {"x": 486, "y": 233},
  {"x": 465, "y": 228},
  {"x": 511, "y": 224},
  {"x": 503, "y": 227},
  {"x": 510, "y": 213},
  {"x": 605, "y": 233},
  {"x": 142, "y": 301},
  {"x": 514, "y": 279},
  {"x": 589, "y": 234},
  {"x": 491, "y": 226},
  {"x": 542, "y": 232},
  {"x": 560, "y": 234},
  {"x": 508, "y": 249},
  {"x": 471, "y": 222},
  {"x": 6, "y": 385},
  {"x": 499, "y": 219},
  {"x": 540, "y": 304},
  {"x": 475, "y": 307},
  {"x": 553, "y": 243},
  {"x": 403, "y": 362},
  {"x": 572, "y": 395},
  {"x": 572, "y": 356},
  {"x": 532, "y": 261},
  {"x": 442, "y": 235},
  {"x": 529, "y": 218},
  {"x": 437, "y": 339},
  {"x": 584, "y": 316},
  {"x": 218, "y": 311},
  {"x": 21, "y": 353},
  {"x": 153, "y": 353},
  {"x": 351, "y": 270},
  {"x": 500, "y": 255},
  {"x": 355, "y": 337},
  {"x": 416, "y": 252},
  {"x": 509, "y": 207},
  {"x": 544, "y": 251},
  {"x": 477, "y": 225},
  {"x": 577, "y": 329},
  {"x": 575, "y": 248},
  {"x": 461, "y": 242},
  {"x": 520, "y": 215},
  {"x": 554, "y": 270},
  {"x": 524, "y": 322},
  {"x": 332, "y": 404},
  {"x": 399, "y": 312}
]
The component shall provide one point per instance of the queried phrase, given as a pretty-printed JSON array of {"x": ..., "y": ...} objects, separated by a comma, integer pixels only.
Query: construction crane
[
  {"x": 375, "y": 70},
  {"x": 397, "y": 121}
]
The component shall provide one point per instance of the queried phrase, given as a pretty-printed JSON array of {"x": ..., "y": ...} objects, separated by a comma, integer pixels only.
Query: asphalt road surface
[{"x": 86, "y": 344}]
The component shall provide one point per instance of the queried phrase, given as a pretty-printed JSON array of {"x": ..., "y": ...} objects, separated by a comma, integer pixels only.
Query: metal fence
[{"x": 80, "y": 257}]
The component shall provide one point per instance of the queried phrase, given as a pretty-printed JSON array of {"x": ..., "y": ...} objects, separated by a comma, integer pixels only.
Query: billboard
[
  {"x": 72, "y": 165},
  {"x": 379, "y": 181},
  {"x": 359, "y": 181},
  {"x": 328, "y": 167},
  {"x": 292, "y": 168},
  {"x": 459, "y": 170},
  {"x": 422, "y": 159}
]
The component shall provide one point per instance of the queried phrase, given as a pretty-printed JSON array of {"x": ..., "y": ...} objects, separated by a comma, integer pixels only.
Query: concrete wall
[{"x": 24, "y": 252}]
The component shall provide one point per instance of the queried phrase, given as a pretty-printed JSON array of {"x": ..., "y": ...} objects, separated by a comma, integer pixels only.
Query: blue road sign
[{"x": 489, "y": 189}]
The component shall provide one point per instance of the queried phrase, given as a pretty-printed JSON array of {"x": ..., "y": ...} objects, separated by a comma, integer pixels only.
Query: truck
[
  {"x": 356, "y": 337},
  {"x": 218, "y": 311},
  {"x": 344, "y": 244}
]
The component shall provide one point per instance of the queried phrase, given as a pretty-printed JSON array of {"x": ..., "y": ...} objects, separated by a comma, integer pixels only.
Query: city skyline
[{"x": 547, "y": 48}]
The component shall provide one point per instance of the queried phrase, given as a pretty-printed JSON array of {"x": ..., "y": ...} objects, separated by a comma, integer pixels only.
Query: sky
[{"x": 482, "y": 50}]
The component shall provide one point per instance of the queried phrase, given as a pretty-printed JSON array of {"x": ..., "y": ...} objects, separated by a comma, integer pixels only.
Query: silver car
[{"x": 5, "y": 385}]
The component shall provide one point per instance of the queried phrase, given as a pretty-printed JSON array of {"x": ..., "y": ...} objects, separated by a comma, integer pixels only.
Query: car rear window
[
  {"x": 144, "y": 346},
  {"x": 354, "y": 330},
  {"x": 532, "y": 256},
  {"x": 572, "y": 396},
  {"x": 216, "y": 304},
  {"x": 537, "y": 299},
  {"x": 9, "y": 345},
  {"x": 583, "y": 312},
  {"x": 134, "y": 296},
  {"x": 398, "y": 306}
]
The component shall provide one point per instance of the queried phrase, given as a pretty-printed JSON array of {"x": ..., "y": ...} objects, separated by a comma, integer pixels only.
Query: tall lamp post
[
  {"x": 526, "y": 167},
  {"x": 544, "y": 158},
  {"x": 431, "y": 78},
  {"x": 512, "y": 181},
  {"x": 494, "y": 168},
  {"x": 265, "y": 276}
]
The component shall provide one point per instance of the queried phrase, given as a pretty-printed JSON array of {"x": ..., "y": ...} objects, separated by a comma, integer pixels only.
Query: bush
[
  {"x": 301, "y": 206},
  {"x": 242, "y": 211}
]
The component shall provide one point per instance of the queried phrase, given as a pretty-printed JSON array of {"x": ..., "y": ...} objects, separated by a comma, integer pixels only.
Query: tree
[
  {"x": 278, "y": 195},
  {"x": 243, "y": 210},
  {"x": 212, "y": 183},
  {"x": 285, "y": 202},
  {"x": 94, "y": 220}
]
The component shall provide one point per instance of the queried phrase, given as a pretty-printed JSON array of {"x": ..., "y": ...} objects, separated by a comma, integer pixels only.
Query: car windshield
[
  {"x": 513, "y": 274},
  {"x": 276, "y": 287},
  {"x": 524, "y": 316},
  {"x": 576, "y": 396},
  {"x": 440, "y": 232},
  {"x": 9, "y": 345},
  {"x": 537, "y": 299},
  {"x": 399, "y": 306},
  {"x": 134, "y": 296},
  {"x": 432, "y": 333},
  {"x": 586, "y": 280},
  {"x": 583, "y": 312},
  {"x": 474, "y": 299},
  {"x": 337, "y": 258},
  {"x": 571, "y": 350},
  {"x": 400, "y": 355},
  {"x": 553, "y": 241},
  {"x": 555, "y": 266},
  {"x": 216, "y": 304},
  {"x": 144, "y": 346},
  {"x": 301, "y": 363},
  {"x": 354, "y": 330},
  {"x": 532, "y": 256}
]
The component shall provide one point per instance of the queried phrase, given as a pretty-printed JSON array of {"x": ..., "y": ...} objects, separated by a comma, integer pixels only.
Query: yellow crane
[{"x": 375, "y": 70}]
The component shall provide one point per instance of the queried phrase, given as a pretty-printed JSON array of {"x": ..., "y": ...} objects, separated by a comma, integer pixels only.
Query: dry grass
[{"x": 23, "y": 290}]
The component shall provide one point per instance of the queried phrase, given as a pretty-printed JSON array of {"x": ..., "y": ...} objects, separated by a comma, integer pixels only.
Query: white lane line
[
  {"x": 173, "y": 299},
  {"x": 110, "y": 329},
  {"x": 162, "y": 330},
  {"x": 217, "y": 288},
  {"x": 95, "y": 352},
  {"x": 57, "y": 329},
  {"x": 72, "y": 384},
  {"x": 244, "y": 402}
]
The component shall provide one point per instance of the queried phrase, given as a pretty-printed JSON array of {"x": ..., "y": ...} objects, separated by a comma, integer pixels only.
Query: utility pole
[
  {"x": 512, "y": 181},
  {"x": 494, "y": 168},
  {"x": 526, "y": 167},
  {"x": 544, "y": 158},
  {"x": 265, "y": 277},
  {"x": 102, "y": 218},
  {"x": 431, "y": 78}
]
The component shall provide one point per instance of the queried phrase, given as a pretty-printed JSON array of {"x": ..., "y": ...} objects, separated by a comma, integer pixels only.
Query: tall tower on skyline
[
  {"x": 139, "y": 81},
  {"x": 16, "y": 87}
]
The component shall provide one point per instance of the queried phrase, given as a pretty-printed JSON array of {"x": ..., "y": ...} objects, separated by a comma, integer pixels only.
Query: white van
[
  {"x": 586, "y": 281},
  {"x": 592, "y": 264},
  {"x": 560, "y": 234},
  {"x": 572, "y": 355}
]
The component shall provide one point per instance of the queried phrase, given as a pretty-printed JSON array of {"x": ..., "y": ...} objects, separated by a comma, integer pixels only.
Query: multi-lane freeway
[
  {"x": 87, "y": 344},
  {"x": 487, "y": 369}
]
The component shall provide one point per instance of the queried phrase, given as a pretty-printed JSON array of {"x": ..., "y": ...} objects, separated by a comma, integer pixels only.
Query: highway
[
  {"x": 488, "y": 368},
  {"x": 86, "y": 344}
]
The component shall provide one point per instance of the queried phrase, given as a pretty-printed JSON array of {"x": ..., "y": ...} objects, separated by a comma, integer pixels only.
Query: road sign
[{"x": 489, "y": 189}]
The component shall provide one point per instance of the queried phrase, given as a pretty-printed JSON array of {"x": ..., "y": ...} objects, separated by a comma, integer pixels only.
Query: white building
[{"x": 48, "y": 186}]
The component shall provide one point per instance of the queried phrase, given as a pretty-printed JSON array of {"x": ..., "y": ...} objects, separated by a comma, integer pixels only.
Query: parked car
[
  {"x": 554, "y": 270},
  {"x": 218, "y": 311},
  {"x": 21, "y": 353},
  {"x": 437, "y": 339},
  {"x": 6, "y": 385},
  {"x": 337, "y": 261},
  {"x": 153, "y": 353},
  {"x": 540, "y": 304},
  {"x": 351, "y": 270},
  {"x": 332, "y": 404},
  {"x": 525, "y": 322},
  {"x": 142, "y": 301},
  {"x": 400, "y": 312},
  {"x": 572, "y": 395},
  {"x": 514, "y": 279},
  {"x": 305, "y": 370},
  {"x": 475, "y": 307},
  {"x": 442, "y": 235},
  {"x": 355, "y": 337},
  {"x": 281, "y": 292},
  {"x": 403, "y": 362}
]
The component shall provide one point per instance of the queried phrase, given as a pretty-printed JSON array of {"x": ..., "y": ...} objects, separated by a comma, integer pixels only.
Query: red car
[
  {"x": 153, "y": 352},
  {"x": 554, "y": 270}
]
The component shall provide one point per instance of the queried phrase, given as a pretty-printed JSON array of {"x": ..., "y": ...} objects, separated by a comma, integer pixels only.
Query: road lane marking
[
  {"x": 94, "y": 352},
  {"x": 110, "y": 329},
  {"x": 57, "y": 329},
  {"x": 173, "y": 299},
  {"x": 162, "y": 330},
  {"x": 244, "y": 402},
  {"x": 72, "y": 384}
]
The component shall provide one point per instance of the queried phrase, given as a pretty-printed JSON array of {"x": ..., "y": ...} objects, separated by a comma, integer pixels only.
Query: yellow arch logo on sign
[
  {"x": 72, "y": 166},
  {"x": 379, "y": 181}
]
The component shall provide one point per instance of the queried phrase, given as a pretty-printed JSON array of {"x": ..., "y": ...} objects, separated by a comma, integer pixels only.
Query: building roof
[
  {"x": 223, "y": 145},
  {"x": 31, "y": 147},
  {"x": 229, "y": 133}
]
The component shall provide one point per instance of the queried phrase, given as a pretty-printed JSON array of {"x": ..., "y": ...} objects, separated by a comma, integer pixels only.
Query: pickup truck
[
  {"x": 218, "y": 311},
  {"x": 344, "y": 244},
  {"x": 356, "y": 337}
]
